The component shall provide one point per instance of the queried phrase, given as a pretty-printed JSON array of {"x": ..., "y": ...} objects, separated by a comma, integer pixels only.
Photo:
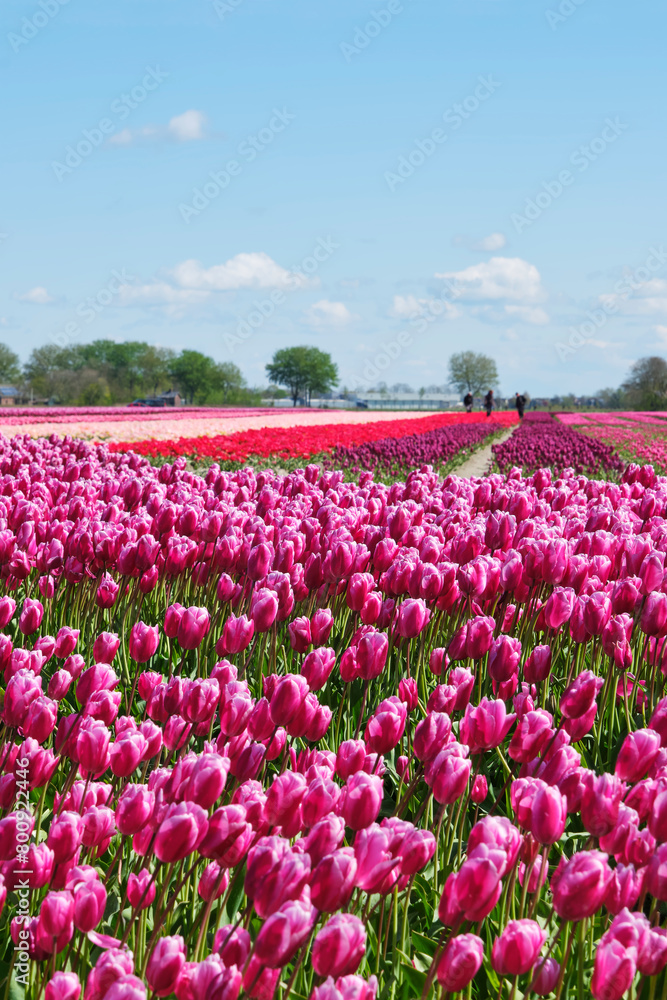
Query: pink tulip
[
  {"x": 385, "y": 727},
  {"x": 614, "y": 970},
  {"x": 480, "y": 789},
  {"x": 300, "y": 636},
  {"x": 431, "y": 735},
  {"x": 371, "y": 654},
  {"x": 448, "y": 774},
  {"x": 533, "y": 732},
  {"x": 193, "y": 626},
  {"x": 141, "y": 889},
  {"x": 7, "y": 609},
  {"x": 504, "y": 658},
  {"x": 340, "y": 946},
  {"x": 580, "y": 696},
  {"x": 545, "y": 977},
  {"x": 333, "y": 880},
  {"x": 538, "y": 665},
  {"x": 360, "y": 801},
  {"x": 516, "y": 949},
  {"x": 581, "y": 885},
  {"x": 236, "y": 636},
  {"x": 460, "y": 962},
  {"x": 56, "y": 921},
  {"x": 485, "y": 726},
  {"x": 653, "y": 620},
  {"x": 31, "y": 616},
  {"x": 144, "y": 641},
  {"x": 180, "y": 832},
  {"x": 321, "y": 624},
  {"x": 317, "y": 667},
  {"x": 63, "y": 986},
  {"x": 636, "y": 755},
  {"x": 165, "y": 964},
  {"x": 350, "y": 758}
]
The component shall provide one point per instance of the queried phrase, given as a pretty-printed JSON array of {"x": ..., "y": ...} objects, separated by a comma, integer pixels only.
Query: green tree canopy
[
  {"x": 194, "y": 373},
  {"x": 228, "y": 379},
  {"x": 105, "y": 372},
  {"x": 10, "y": 366},
  {"x": 474, "y": 373},
  {"x": 303, "y": 371},
  {"x": 646, "y": 384}
]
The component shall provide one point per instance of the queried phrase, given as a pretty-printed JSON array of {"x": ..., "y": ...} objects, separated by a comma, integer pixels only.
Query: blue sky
[{"x": 378, "y": 179}]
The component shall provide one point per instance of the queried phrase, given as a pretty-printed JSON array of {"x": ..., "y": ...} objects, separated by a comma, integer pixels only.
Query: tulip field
[
  {"x": 640, "y": 437},
  {"x": 353, "y": 730},
  {"x": 389, "y": 447}
]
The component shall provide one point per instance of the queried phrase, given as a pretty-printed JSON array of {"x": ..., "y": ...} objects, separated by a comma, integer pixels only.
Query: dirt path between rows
[{"x": 479, "y": 463}]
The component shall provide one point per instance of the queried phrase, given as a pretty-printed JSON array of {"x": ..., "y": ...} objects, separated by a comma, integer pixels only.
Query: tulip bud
[
  {"x": 321, "y": 624},
  {"x": 31, "y": 616},
  {"x": 340, "y": 946},
  {"x": 361, "y": 799},
  {"x": 460, "y": 962},
  {"x": 144, "y": 641},
  {"x": 581, "y": 885},
  {"x": 515, "y": 951},
  {"x": 165, "y": 964},
  {"x": 333, "y": 880},
  {"x": 63, "y": 986},
  {"x": 538, "y": 665}
]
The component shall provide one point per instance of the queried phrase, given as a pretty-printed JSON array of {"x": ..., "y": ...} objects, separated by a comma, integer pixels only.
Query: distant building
[
  {"x": 9, "y": 395},
  {"x": 171, "y": 398}
]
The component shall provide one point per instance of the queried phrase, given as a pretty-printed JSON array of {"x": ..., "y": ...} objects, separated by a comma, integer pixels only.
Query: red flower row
[{"x": 300, "y": 441}]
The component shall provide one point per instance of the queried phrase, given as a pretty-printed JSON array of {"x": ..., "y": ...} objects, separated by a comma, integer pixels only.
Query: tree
[
  {"x": 646, "y": 384},
  {"x": 612, "y": 399},
  {"x": 473, "y": 373},
  {"x": 153, "y": 366},
  {"x": 303, "y": 371},
  {"x": 228, "y": 379},
  {"x": 195, "y": 375},
  {"x": 10, "y": 366}
]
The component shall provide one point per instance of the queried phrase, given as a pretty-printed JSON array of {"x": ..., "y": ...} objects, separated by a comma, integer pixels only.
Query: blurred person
[
  {"x": 489, "y": 402},
  {"x": 520, "y": 403},
  {"x": 468, "y": 400}
]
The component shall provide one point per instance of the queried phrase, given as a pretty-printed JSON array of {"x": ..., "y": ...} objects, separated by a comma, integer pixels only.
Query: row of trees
[
  {"x": 105, "y": 372},
  {"x": 108, "y": 372},
  {"x": 645, "y": 388}
]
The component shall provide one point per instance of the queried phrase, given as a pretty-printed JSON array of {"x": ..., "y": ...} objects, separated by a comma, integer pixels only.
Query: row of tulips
[
  {"x": 393, "y": 455},
  {"x": 646, "y": 444},
  {"x": 304, "y": 442},
  {"x": 542, "y": 441},
  {"x": 290, "y": 736},
  {"x": 65, "y": 414}
]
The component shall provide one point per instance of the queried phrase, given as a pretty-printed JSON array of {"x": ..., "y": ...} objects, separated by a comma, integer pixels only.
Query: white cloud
[
  {"x": 122, "y": 138},
  {"x": 189, "y": 284},
  {"x": 409, "y": 307},
  {"x": 662, "y": 333},
  {"x": 245, "y": 270},
  {"x": 496, "y": 279},
  {"x": 648, "y": 299},
  {"x": 496, "y": 241},
  {"x": 187, "y": 127},
  {"x": 38, "y": 296},
  {"x": 326, "y": 313}
]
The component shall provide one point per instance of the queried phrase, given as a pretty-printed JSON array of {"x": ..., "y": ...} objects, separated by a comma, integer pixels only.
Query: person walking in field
[
  {"x": 468, "y": 400},
  {"x": 520, "y": 403},
  {"x": 489, "y": 402}
]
